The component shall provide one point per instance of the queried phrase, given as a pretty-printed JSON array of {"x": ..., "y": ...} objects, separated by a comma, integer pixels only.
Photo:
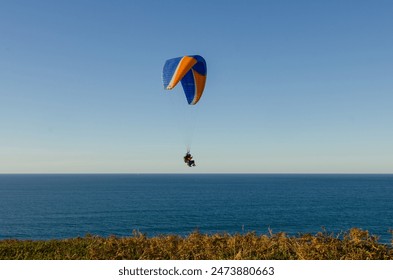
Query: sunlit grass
[{"x": 355, "y": 244}]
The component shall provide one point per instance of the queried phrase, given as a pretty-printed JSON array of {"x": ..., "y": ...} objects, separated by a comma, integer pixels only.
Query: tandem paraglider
[
  {"x": 188, "y": 160},
  {"x": 191, "y": 71}
]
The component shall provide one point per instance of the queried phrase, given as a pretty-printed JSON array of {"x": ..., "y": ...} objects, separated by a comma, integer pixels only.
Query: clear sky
[{"x": 292, "y": 86}]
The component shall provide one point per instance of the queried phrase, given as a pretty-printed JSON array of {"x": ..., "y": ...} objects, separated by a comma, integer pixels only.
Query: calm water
[{"x": 61, "y": 206}]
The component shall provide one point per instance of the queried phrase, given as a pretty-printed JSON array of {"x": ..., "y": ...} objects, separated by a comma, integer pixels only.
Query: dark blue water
[{"x": 63, "y": 206}]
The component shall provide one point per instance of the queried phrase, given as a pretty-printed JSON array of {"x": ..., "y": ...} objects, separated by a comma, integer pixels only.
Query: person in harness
[{"x": 188, "y": 159}]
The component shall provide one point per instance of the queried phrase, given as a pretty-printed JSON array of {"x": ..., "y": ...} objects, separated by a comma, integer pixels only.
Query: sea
[{"x": 57, "y": 206}]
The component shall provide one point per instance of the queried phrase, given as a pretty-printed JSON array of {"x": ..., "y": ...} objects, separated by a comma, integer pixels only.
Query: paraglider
[
  {"x": 191, "y": 71},
  {"x": 188, "y": 160}
]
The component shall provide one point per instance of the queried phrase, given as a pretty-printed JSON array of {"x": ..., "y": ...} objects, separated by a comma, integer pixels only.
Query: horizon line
[{"x": 198, "y": 173}]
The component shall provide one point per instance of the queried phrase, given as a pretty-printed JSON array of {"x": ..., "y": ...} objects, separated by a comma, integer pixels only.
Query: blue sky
[{"x": 293, "y": 86}]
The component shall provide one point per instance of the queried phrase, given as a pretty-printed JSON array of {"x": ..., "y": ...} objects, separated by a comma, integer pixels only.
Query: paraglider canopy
[{"x": 191, "y": 71}]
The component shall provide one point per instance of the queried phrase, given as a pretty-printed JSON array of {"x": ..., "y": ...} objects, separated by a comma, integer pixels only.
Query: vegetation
[{"x": 352, "y": 245}]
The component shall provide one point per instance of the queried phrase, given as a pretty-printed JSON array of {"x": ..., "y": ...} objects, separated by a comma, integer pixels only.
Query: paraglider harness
[{"x": 188, "y": 159}]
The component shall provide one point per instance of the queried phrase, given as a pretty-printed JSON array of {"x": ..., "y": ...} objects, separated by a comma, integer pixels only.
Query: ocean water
[{"x": 66, "y": 206}]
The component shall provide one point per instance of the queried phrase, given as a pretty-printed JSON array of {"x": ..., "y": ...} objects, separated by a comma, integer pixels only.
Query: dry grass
[{"x": 352, "y": 245}]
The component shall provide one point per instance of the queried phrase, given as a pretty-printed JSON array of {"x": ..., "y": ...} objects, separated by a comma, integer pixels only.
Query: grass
[{"x": 355, "y": 244}]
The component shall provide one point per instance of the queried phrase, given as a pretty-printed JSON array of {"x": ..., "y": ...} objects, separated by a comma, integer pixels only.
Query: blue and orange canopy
[{"x": 191, "y": 71}]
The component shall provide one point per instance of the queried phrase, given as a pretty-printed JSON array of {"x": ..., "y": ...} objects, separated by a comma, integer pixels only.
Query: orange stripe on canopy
[
  {"x": 184, "y": 66},
  {"x": 200, "y": 81}
]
